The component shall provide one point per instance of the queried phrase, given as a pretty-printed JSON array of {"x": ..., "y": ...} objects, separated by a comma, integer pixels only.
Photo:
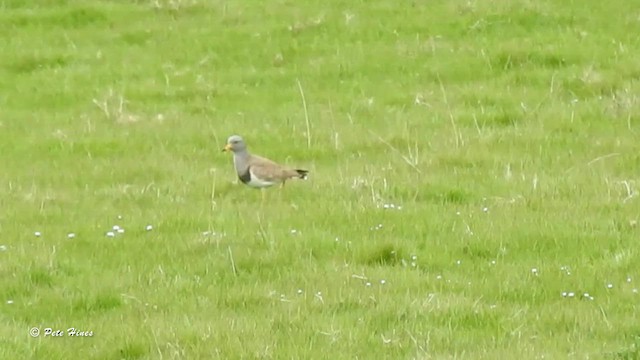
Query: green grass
[{"x": 507, "y": 131}]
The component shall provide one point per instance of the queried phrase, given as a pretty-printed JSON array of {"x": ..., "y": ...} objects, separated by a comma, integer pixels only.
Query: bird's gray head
[{"x": 235, "y": 144}]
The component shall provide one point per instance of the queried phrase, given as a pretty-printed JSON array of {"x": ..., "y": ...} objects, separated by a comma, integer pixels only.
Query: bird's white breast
[{"x": 258, "y": 183}]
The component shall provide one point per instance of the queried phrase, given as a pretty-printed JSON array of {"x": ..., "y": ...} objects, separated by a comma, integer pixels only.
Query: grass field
[{"x": 474, "y": 167}]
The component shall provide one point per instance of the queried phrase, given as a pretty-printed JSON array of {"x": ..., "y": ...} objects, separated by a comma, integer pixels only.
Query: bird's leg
[{"x": 281, "y": 189}]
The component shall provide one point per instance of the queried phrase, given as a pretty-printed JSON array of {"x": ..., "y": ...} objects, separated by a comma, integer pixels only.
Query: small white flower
[
  {"x": 120, "y": 231},
  {"x": 414, "y": 257},
  {"x": 564, "y": 294},
  {"x": 71, "y": 235},
  {"x": 485, "y": 209},
  {"x": 111, "y": 234},
  {"x": 116, "y": 227},
  {"x": 635, "y": 291},
  {"x": 571, "y": 294},
  {"x": 377, "y": 227},
  {"x": 439, "y": 277},
  {"x": 382, "y": 282},
  {"x": 149, "y": 228},
  {"x": 457, "y": 212},
  {"x": 493, "y": 262},
  {"x": 368, "y": 284},
  {"x": 413, "y": 264},
  {"x": 609, "y": 286},
  {"x": 3, "y": 248},
  {"x": 458, "y": 262},
  {"x": 119, "y": 217},
  {"x": 294, "y": 231},
  {"x": 37, "y": 234},
  {"x": 299, "y": 291},
  {"x": 9, "y": 302},
  {"x": 629, "y": 279},
  {"x": 534, "y": 271}
]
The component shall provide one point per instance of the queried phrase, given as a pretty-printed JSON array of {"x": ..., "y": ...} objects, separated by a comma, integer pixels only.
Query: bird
[{"x": 256, "y": 171}]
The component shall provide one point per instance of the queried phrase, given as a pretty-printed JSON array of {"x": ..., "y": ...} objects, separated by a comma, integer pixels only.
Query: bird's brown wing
[{"x": 268, "y": 170}]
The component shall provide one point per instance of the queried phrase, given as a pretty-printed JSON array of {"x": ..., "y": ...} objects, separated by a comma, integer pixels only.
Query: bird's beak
[{"x": 226, "y": 148}]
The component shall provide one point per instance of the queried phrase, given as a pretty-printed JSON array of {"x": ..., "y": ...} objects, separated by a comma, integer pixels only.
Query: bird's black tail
[{"x": 302, "y": 173}]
